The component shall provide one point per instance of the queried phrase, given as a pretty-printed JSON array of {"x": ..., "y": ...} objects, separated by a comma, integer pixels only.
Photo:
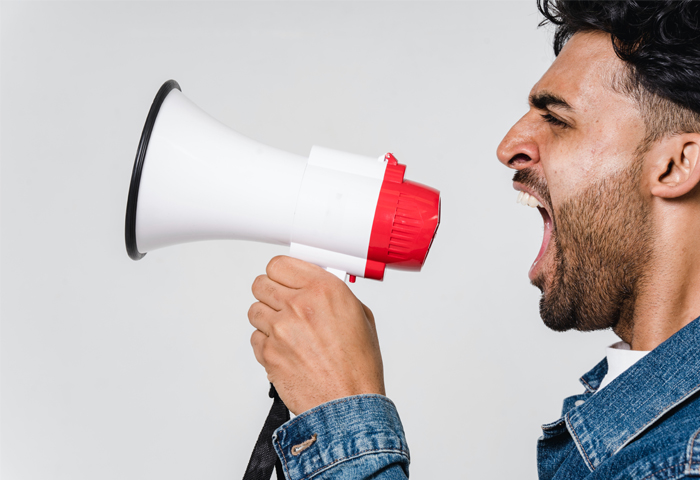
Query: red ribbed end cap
[{"x": 405, "y": 223}]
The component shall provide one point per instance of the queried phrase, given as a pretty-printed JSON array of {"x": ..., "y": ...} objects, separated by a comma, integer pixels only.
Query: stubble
[{"x": 602, "y": 246}]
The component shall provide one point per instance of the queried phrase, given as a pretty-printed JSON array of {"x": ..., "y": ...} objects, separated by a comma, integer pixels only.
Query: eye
[{"x": 554, "y": 121}]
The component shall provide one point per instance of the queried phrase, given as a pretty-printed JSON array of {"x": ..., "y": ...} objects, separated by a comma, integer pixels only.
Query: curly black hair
[{"x": 658, "y": 40}]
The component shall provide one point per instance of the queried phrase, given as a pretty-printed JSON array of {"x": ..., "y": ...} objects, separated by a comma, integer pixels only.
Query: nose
[{"x": 519, "y": 148}]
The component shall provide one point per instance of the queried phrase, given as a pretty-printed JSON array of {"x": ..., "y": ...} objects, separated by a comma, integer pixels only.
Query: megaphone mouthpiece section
[{"x": 405, "y": 222}]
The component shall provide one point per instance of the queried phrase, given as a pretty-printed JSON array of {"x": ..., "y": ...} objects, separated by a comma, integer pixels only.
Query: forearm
[{"x": 352, "y": 438}]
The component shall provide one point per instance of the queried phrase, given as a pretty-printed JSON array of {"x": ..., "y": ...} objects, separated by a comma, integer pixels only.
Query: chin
[
  {"x": 557, "y": 310},
  {"x": 538, "y": 282}
]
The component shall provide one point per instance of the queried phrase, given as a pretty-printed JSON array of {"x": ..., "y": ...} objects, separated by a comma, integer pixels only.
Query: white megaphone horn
[{"x": 196, "y": 179}]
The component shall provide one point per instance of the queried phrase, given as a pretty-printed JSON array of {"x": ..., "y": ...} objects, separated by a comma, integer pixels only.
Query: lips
[{"x": 530, "y": 198}]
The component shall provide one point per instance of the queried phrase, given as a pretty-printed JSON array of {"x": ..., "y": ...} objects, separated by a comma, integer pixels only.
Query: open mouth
[{"x": 529, "y": 198}]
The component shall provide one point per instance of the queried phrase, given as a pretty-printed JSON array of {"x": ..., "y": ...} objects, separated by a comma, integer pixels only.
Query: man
[{"x": 609, "y": 151}]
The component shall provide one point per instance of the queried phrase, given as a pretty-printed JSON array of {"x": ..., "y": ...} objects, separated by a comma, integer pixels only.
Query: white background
[{"x": 114, "y": 369}]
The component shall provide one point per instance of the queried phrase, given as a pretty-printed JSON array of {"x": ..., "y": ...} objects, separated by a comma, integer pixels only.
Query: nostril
[{"x": 519, "y": 159}]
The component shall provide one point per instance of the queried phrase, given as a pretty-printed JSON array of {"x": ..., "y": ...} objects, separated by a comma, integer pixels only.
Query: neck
[{"x": 668, "y": 296}]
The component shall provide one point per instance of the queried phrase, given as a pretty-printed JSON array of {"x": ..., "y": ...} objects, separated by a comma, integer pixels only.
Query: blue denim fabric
[
  {"x": 347, "y": 439},
  {"x": 645, "y": 425}
]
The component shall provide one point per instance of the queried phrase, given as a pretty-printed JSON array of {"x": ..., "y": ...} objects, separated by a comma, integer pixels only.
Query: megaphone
[{"x": 196, "y": 179}]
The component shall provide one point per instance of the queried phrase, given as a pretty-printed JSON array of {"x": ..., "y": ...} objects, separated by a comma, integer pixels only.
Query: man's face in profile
[{"x": 577, "y": 152}]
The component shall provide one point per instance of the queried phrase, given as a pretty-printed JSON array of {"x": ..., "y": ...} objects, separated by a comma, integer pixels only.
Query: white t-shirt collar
[{"x": 620, "y": 357}]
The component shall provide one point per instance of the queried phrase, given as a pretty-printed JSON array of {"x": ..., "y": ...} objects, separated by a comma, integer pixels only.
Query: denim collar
[{"x": 607, "y": 421}]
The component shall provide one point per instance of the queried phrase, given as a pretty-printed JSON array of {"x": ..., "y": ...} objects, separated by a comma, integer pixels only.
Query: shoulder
[{"x": 669, "y": 449}]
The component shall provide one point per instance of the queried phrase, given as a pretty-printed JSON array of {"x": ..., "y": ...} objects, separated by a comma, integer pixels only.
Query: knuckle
[
  {"x": 279, "y": 330},
  {"x": 276, "y": 262},
  {"x": 302, "y": 306},
  {"x": 257, "y": 282},
  {"x": 254, "y": 340},
  {"x": 271, "y": 291},
  {"x": 254, "y": 311},
  {"x": 309, "y": 312},
  {"x": 323, "y": 293},
  {"x": 256, "y": 314},
  {"x": 268, "y": 356},
  {"x": 257, "y": 343}
]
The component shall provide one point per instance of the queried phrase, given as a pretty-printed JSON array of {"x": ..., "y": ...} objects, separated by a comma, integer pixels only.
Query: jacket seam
[
  {"x": 643, "y": 428},
  {"x": 663, "y": 469},
  {"x": 587, "y": 385},
  {"x": 691, "y": 449},
  {"x": 553, "y": 425},
  {"x": 284, "y": 457},
  {"x": 579, "y": 444},
  {"x": 348, "y": 458}
]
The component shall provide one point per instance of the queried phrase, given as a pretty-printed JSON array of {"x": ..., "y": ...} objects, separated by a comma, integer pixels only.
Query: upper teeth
[{"x": 525, "y": 198}]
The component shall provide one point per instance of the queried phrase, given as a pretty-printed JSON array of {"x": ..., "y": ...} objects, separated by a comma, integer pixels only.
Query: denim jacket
[{"x": 645, "y": 425}]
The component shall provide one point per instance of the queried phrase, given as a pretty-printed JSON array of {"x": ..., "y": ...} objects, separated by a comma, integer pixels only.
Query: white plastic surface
[
  {"x": 329, "y": 259},
  {"x": 337, "y": 202},
  {"x": 338, "y": 273},
  {"x": 202, "y": 181}
]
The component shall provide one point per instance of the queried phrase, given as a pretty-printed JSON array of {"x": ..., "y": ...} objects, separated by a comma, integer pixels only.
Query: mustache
[{"x": 530, "y": 179}]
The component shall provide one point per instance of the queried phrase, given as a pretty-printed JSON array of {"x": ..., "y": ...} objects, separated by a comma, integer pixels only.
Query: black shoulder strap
[{"x": 264, "y": 458}]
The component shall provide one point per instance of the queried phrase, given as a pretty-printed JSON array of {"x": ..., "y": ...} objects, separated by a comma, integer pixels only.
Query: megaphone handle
[
  {"x": 338, "y": 273},
  {"x": 264, "y": 458}
]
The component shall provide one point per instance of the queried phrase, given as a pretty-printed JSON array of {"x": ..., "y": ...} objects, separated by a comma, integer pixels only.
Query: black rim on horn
[{"x": 130, "y": 227}]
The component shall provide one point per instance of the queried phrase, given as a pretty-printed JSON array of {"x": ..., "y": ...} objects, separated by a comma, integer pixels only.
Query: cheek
[
  {"x": 566, "y": 177},
  {"x": 570, "y": 162},
  {"x": 573, "y": 168},
  {"x": 609, "y": 146}
]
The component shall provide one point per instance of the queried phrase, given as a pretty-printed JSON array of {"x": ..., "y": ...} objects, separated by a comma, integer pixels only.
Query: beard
[{"x": 602, "y": 245}]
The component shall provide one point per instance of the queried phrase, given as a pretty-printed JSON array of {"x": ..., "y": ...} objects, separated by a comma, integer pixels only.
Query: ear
[{"x": 675, "y": 165}]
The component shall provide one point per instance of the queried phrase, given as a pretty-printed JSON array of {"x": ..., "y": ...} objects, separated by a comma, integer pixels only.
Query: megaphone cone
[{"x": 196, "y": 179}]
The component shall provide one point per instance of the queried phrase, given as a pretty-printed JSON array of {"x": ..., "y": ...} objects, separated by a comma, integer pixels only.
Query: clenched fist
[{"x": 316, "y": 340}]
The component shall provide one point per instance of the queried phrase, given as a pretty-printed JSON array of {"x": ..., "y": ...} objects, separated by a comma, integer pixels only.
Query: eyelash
[{"x": 553, "y": 120}]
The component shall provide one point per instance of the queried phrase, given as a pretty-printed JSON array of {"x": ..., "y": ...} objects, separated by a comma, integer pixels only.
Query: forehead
[{"x": 584, "y": 71}]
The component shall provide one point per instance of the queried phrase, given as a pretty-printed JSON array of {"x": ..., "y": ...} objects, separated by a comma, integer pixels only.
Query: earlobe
[{"x": 675, "y": 166}]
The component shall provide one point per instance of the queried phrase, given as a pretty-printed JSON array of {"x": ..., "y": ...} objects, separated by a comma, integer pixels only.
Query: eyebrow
[{"x": 546, "y": 100}]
